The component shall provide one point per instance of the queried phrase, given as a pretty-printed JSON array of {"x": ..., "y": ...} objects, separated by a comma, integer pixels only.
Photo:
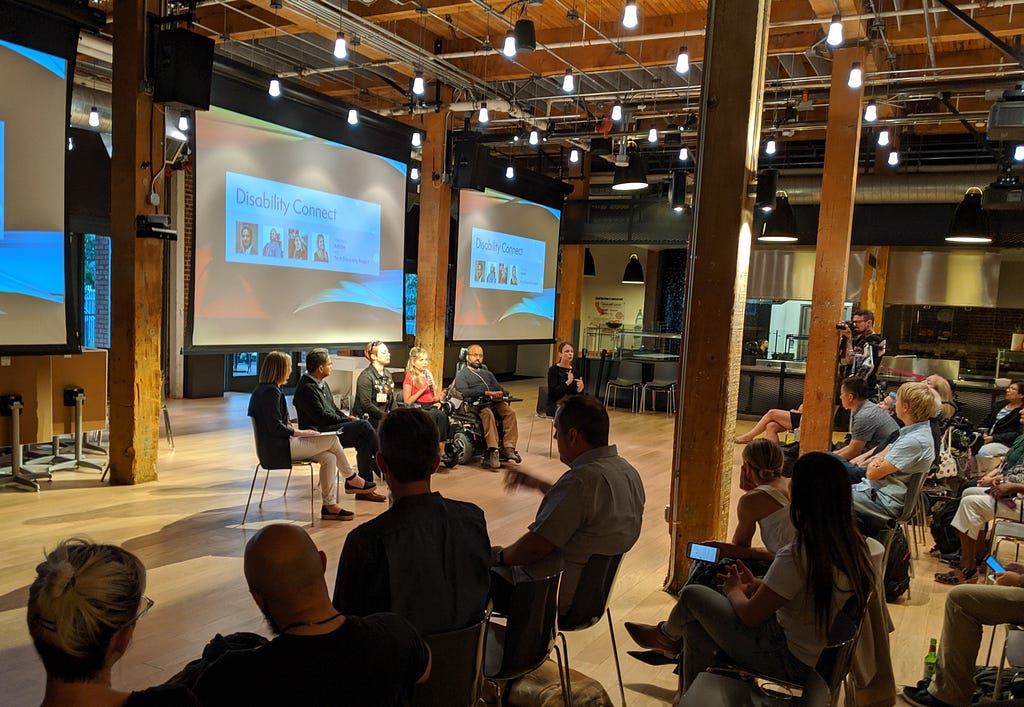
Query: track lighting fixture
[
  {"x": 652, "y": 135},
  {"x": 183, "y": 121},
  {"x": 275, "y": 87},
  {"x": 630, "y": 19},
  {"x": 509, "y": 47},
  {"x": 617, "y": 112},
  {"x": 574, "y": 156},
  {"x": 414, "y": 174},
  {"x": 1018, "y": 153},
  {"x": 419, "y": 86},
  {"x": 871, "y": 112},
  {"x": 485, "y": 115},
  {"x": 534, "y": 137},
  {"x": 94, "y": 117},
  {"x": 353, "y": 116},
  {"x": 894, "y": 158},
  {"x": 340, "y": 46},
  {"x": 684, "y": 154},
  {"x": 883, "y": 138},
  {"x": 769, "y": 146},
  {"x": 683, "y": 61},
  {"x": 510, "y": 173},
  {"x": 835, "y": 31},
  {"x": 568, "y": 81},
  {"x": 417, "y": 139},
  {"x": 856, "y": 76}
]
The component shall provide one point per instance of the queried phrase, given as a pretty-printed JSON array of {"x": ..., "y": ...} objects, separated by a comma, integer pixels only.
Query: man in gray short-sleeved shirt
[
  {"x": 871, "y": 427},
  {"x": 596, "y": 507}
]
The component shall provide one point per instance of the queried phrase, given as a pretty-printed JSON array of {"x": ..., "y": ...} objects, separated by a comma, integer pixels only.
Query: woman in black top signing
[
  {"x": 375, "y": 390},
  {"x": 562, "y": 380}
]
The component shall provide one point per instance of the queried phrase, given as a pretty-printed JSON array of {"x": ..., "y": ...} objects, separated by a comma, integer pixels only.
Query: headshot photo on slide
[
  {"x": 245, "y": 240},
  {"x": 320, "y": 254}
]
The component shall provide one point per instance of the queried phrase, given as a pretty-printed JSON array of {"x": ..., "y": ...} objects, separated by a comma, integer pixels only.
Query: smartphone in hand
[
  {"x": 698, "y": 551},
  {"x": 994, "y": 564}
]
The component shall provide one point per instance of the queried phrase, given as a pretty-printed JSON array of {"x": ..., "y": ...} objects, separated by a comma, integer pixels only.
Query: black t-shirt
[
  {"x": 162, "y": 696},
  {"x": 372, "y": 661}
]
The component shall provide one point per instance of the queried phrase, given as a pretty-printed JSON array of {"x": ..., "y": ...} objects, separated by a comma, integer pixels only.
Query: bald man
[{"x": 318, "y": 655}]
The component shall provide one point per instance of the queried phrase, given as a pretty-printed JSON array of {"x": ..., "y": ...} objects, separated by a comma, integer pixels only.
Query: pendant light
[
  {"x": 414, "y": 174},
  {"x": 485, "y": 115},
  {"x": 617, "y": 111},
  {"x": 780, "y": 225},
  {"x": 630, "y": 18},
  {"x": 684, "y": 154},
  {"x": 568, "y": 82},
  {"x": 767, "y": 187},
  {"x": 634, "y": 272},
  {"x": 632, "y": 177},
  {"x": 683, "y": 61},
  {"x": 835, "y": 31},
  {"x": 94, "y": 117},
  {"x": 417, "y": 139},
  {"x": 883, "y": 138},
  {"x": 856, "y": 76},
  {"x": 340, "y": 46},
  {"x": 677, "y": 192},
  {"x": 652, "y": 135},
  {"x": 574, "y": 156},
  {"x": 353, "y": 116},
  {"x": 871, "y": 112},
  {"x": 1018, "y": 153},
  {"x": 769, "y": 146},
  {"x": 970, "y": 222},
  {"x": 275, "y": 87},
  {"x": 894, "y": 158},
  {"x": 534, "y": 137},
  {"x": 183, "y": 121},
  {"x": 589, "y": 269},
  {"x": 509, "y": 46},
  {"x": 419, "y": 86}
]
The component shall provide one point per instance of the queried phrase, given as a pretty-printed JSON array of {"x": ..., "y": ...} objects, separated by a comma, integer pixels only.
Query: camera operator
[{"x": 861, "y": 349}]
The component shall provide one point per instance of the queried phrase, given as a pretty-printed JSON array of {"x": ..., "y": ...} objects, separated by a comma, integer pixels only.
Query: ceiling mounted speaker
[
  {"x": 600, "y": 146},
  {"x": 526, "y": 36}
]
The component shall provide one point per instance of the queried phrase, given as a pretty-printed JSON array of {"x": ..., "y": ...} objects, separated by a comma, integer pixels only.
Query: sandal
[{"x": 958, "y": 575}]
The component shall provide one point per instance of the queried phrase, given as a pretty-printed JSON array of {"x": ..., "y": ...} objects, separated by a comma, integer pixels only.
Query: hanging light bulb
[
  {"x": 353, "y": 116},
  {"x": 568, "y": 81},
  {"x": 883, "y": 138},
  {"x": 534, "y": 137},
  {"x": 574, "y": 155},
  {"x": 1018, "y": 153},
  {"x": 871, "y": 112},
  {"x": 484, "y": 113},
  {"x": 894, "y": 158},
  {"x": 652, "y": 135},
  {"x": 275, "y": 87},
  {"x": 71, "y": 143},
  {"x": 835, "y": 31},
  {"x": 340, "y": 46},
  {"x": 419, "y": 86},
  {"x": 856, "y": 76},
  {"x": 414, "y": 174},
  {"x": 94, "y": 117},
  {"x": 684, "y": 154},
  {"x": 509, "y": 47},
  {"x": 630, "y": 19},
  {"x": 417, "y": 139},
  {"x": 769, "y": 147},
  {"x": 617, "y": 112},
  {"x": 683, "y": 61},
  {"x": 509, "y": 172},
  {"x": 183, "y": 121}
]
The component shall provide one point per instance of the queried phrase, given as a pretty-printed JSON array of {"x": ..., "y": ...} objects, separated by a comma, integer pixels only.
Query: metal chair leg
[
  {"x": 563, "y": 669},
  {"x": 255, "y": 473},
  {"x": 615, "y": 653},
  {"x": 167, "y": 427},
  {"x": 264, "y": 492}
]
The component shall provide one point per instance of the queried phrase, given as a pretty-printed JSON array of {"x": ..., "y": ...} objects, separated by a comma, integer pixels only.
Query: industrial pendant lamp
[
  {"x": 677, "y": 192},
  {"x": 485, "y": 115},
  {"x": 683, "y": 61},
  {"x": 634, "y": 272},
  {"x": 780, "y": 225},
  {"x": 630, "y": 19},
  {"x": 871, "y": 112},
  {"x": 970, "y": 222},
  {"x": 568, "y": 82},
  {"x": 94, "y": 117},
  {"x": 835, "y": 31},
  {"x": 632, "y": 177},
  {"x": 508, "y": 48},
  {"x": 589, "y": 269},
  {"x": 419, "y": 86},
  {"x": 340, "y": 46},
  {"x": 856, "y": 76},
  {"x": 767, "y": 187}
]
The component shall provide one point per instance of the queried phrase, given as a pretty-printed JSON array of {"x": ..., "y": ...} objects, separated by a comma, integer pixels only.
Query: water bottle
[
  {"x": 930, "y": 661},
  {"x": 639, "y": 321}
]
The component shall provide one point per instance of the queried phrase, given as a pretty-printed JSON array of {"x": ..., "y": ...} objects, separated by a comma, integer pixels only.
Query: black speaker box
[
  {"x": 470, "y": 166},
  {"x": 183, "y": 69}
]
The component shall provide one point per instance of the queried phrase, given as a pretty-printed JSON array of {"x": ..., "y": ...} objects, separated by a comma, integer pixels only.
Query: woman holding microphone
[{"x": 419, "y": 389}]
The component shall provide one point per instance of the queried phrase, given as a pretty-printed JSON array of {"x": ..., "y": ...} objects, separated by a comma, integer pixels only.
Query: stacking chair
[
  {"x": 256, "y": 471},
  {"x": 541, "y": 413},
  {"x": 522, "y": 643},
  {"x": 456, "y": 672},
  {"x": 910, "y": 510},
  {"x": 631, "y": 377},
  {"x": 589, "y": 606},
  {"x": 1013, "y": 653},
  {"x": 664, "y": 381},
  {"x": 1004, "y": 529}
]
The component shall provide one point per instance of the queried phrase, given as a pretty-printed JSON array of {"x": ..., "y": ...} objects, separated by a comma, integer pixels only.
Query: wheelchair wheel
[
  {"x": 462, "y": 445},
  {"x": 449, "y": 455}
]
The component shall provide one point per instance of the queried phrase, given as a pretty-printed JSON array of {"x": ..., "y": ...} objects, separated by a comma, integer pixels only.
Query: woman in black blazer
[
  {"x": 562, "y": 379},
  {"x": 278, "y": 444},
  {"x": 1001, "y": 428}
]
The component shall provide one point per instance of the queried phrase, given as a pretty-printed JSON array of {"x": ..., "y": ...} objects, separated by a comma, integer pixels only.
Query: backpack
[
  {"x": 897, "y": 567},
  {"x": 946, "y": 537}
]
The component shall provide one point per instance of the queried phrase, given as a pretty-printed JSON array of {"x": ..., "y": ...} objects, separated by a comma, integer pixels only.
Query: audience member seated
[
  {"x": 993, "y": 497},
  {"x": 773, "y": 423},
  {"x": 474, "y": 382},
  {"x": 1001, "y": 427},
  {"x": 968, "y": 609},
  {"x": 280, "y": 444},
  {"x": 419, "y": 389},
  {"x": 562, "y": 379},
  {"x": 317, "y": 410},
  {"x": 375, "y": 391},
  {"x": 82, "y": 610},
  {"x": 777, "y": 626},
  {"x": 871, "y": 427},
  {"x": 883, "y": 489},
  {"x": 318, "y": 656},
  {"x": 427, "y": 558},
  {"x": 595, "y": 508}
]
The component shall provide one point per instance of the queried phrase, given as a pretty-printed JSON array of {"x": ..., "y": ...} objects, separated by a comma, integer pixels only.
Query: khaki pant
[
  {"x": 508, "y": 421},
  {"x": 327, "y": 452}
]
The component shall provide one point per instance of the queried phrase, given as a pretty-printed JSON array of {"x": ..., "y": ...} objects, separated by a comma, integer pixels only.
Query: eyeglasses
[{"x": 144, "y": 608}]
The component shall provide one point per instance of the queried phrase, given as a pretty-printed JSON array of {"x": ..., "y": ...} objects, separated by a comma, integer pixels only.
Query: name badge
[{"x": 382, "y": 397}]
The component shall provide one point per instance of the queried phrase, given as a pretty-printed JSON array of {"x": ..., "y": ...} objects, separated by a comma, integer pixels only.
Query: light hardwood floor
[{"x": 186, "y": 529}]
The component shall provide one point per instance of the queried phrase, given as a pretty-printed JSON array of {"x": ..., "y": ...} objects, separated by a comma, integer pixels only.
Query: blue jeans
[
  {"x": 856, "y": 473},
  {"x": 706, "y": 622}
]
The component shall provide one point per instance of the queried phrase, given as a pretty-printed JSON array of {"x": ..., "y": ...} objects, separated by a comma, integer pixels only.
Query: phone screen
[
  {"x": 696, "y": 551},
  {"x": 994, "y": 564}
]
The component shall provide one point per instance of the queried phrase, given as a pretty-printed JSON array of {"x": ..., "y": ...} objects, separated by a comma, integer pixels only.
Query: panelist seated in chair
[
  {"x": 475, "y": 382},
  {"x": 279, "y": 444},
  {"x": 317, "y": 410},
  {"x": 419, "y": 390},
  {"x": 777, "y": 626}
]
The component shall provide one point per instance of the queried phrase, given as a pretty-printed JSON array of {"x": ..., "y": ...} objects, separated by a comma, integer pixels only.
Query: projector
[
  {"x": 1005, "y": 194},
  {"x": 1006, "y": 117},
  {"x": 155, "y": 226}
]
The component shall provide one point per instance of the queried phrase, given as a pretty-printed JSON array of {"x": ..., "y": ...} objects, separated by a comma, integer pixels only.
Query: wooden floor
[{"x": 186, "y": 529}]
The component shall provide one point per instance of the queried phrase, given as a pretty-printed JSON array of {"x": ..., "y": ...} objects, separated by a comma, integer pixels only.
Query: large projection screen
[
  {"x": 506, "y": 268},
  {"x": 33, "y": 271},
  {"x": 299, "y": 240}
]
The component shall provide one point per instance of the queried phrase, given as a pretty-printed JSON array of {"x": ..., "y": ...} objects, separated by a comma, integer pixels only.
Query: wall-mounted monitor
[
  {"x": 506, "y": 268},
  {"x": 299, "y": 240}
]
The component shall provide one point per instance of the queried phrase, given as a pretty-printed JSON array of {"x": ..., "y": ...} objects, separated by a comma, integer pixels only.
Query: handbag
[{"x": 947, "y": 464}]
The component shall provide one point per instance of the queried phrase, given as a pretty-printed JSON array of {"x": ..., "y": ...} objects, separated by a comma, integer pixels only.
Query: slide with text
[{"x": 502, "y": 261}]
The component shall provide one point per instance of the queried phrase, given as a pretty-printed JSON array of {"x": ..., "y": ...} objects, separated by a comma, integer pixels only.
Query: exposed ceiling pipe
[
  {"x": 495, "y": 105},
  {"x": 900, "y": 188}
]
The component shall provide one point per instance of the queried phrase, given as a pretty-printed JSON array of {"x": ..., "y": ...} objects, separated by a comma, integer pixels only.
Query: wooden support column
[
  {"x": 432, "y": 256},
  {"x": 734, "y": 59},
  {"x": 136, "y": 290},
  {"x": 570, "y": 281},
  {"x": 832, "y": 255},
  {"x": 872, "y": 293}
]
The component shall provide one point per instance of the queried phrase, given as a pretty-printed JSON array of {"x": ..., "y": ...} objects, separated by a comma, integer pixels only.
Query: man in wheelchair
[{"x": 479, "y": 387}]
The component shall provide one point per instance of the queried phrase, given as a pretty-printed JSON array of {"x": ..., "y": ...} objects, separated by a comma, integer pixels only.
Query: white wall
[{"x": 609, "y": 262}]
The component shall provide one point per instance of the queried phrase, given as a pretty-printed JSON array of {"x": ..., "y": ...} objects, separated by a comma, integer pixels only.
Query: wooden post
[
  {"x": 136, "y": 290},
  {"x": 872, "y": 293},
  {"x": 735, "y": 55},
  {"x": 570, "y": 283},
  {"x": 432, "y": 257},
  {"x": 832, "y": 255}
]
